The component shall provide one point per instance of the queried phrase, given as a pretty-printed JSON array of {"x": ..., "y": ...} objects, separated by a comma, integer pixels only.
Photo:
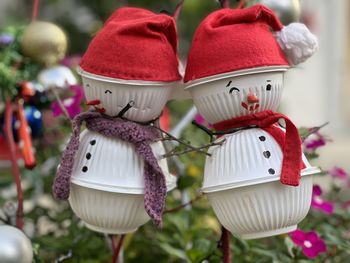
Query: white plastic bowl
[
  {"x": 108, "y": 196},
  {"x": 262, "y": 210},
  {"x": 108, "y": 212},
  {"x": 213, "y": 99},
  {"x": 243, "y": 159},
  {"x": 149, "y": 97},
  {"x": 247, "y": 199}
]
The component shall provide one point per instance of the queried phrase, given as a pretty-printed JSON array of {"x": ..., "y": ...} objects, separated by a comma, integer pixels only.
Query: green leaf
[
  {"x": 290, "y": 245},
  {"x": 263, "y": 252},
  {"x": 185, "y": 182},
  {"x": 174, "y": 251}
]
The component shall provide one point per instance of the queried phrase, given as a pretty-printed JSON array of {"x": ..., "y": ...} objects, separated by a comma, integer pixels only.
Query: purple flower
[
  {"x": 71, "y": 61},
  {"x": 316, "y": 142},
  {"x": 310, "y": 243},
  {"x": 6, "y": 39},
  {"x": 71, "y": 104},
  {"x": 318, "y": 203},
  {"x": 338, "y": 172}
]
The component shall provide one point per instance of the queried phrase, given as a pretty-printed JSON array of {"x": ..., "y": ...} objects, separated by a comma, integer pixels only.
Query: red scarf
[{"x": 290, "y": 141}]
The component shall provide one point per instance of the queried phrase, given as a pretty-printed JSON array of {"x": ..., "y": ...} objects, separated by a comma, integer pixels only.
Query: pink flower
[
  {"x": 318, "y": 203},
  {"x": 200, "y": 120},
  {"x": 71, "y": 61},
  {"x": 338, "y": 172},
  {"x": 71, "y": 104},
  {"x": 310, "y": 243},
  {"x": 318, "y": 141}
]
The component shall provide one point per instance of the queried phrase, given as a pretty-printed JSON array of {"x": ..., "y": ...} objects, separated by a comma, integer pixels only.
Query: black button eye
[
  {"x": 108, "y": 91},
  {"x": 233, "y": 89},
  {"x": 268, "y": 87}
]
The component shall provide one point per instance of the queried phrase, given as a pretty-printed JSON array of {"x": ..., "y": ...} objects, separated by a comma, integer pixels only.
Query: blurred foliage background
[
  {"x": 81, "y": 19},
  {"x": 190, "y": 234}
]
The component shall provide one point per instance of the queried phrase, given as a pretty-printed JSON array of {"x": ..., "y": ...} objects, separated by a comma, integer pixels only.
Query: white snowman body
[
  {"x": 242, "y": 175},
  {"x": 107, "y": 183}
]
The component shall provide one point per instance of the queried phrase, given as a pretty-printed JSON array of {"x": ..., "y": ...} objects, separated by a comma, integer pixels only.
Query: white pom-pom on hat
[{"x": 297, "y": 42}]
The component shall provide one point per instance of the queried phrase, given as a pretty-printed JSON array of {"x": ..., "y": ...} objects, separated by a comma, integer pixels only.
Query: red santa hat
[
  {"x": 236, "y": 39},
  {"x": 134, "y": 44}
]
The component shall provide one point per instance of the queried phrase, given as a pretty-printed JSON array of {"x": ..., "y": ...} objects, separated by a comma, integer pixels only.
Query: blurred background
[{"x": 315, "y": 92}]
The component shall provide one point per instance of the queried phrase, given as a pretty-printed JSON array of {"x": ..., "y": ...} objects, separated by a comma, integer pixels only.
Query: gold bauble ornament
[
  {"x": 44, "y": 42},
  {"x": 288, "y": 11}
]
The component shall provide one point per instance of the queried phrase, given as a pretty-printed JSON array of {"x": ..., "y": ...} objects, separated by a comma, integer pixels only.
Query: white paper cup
[
  {"x": 149, "y": 97},
  {"x": 216, "y": 103},
  {"x": 108, "y": 197},
  {"x": 108, "y": 212},
  {"x": 262, "y": 210},
  {"x": 113, "y": 165}
]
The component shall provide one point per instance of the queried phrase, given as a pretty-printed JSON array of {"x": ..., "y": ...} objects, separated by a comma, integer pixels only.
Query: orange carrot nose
[
  {"x": 251, "y": 98},
  {"x": 93, "y": 102}
]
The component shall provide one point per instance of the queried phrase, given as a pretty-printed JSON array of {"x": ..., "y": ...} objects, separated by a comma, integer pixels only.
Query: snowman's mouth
[
  {"x": 250, "y": 107},
  {"x": 133, "y": 107}
]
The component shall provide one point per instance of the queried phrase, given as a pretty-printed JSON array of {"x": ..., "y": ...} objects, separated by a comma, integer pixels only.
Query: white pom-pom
[{"x": 297, "y": 42}]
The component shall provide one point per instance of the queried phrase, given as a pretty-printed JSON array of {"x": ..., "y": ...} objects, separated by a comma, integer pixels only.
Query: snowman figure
[
  {"x": 258, "y": 181},
  {"x": 113, "y": 173}
]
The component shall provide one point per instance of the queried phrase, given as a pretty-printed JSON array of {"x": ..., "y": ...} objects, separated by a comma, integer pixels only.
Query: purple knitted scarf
[{"x": 141, "y": 136}]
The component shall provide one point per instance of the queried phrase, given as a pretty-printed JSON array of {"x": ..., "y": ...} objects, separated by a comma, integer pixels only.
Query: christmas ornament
[
  {"x": 57, "y": 77},
  {"x": 253, "y": 179},
  {"x": 15, "y": 247},
  {"x": 117, "y": 161},
  {"x": 288, "y": 11},
  {"x": 34, "y": 119},
  {"x": 44, "y": 42}
]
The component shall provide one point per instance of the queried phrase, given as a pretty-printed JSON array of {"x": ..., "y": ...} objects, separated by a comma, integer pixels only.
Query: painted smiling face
[
  {"x": 227, "y": 98},
  {"x": 135, "y": 100}
]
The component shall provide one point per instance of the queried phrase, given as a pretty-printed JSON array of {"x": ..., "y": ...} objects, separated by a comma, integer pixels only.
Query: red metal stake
[
  {"x": 225, "y": 245},
  {"x": 15, "y": 169}
]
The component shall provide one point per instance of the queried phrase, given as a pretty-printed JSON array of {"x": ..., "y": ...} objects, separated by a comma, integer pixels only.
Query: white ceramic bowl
[
  {"x": 217, "y": 100},
  {"x": 149, "y": 97},
  {"x": 247, "y": 198},
  {"x": 108, "y": 194}
]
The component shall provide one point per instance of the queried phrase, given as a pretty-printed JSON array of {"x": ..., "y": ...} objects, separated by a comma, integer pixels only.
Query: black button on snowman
[{"x": 249, "y": 50}]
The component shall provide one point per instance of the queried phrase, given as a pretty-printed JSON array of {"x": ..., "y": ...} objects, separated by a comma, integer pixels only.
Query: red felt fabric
[
  {"x": 134, "y": 44},
  {"x": 289, "y": 141},
  {"x": 234, "y": 39}
]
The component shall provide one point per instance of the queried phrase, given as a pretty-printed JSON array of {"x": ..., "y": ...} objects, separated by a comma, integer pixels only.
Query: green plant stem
[{"x": 177, "y": 208}]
